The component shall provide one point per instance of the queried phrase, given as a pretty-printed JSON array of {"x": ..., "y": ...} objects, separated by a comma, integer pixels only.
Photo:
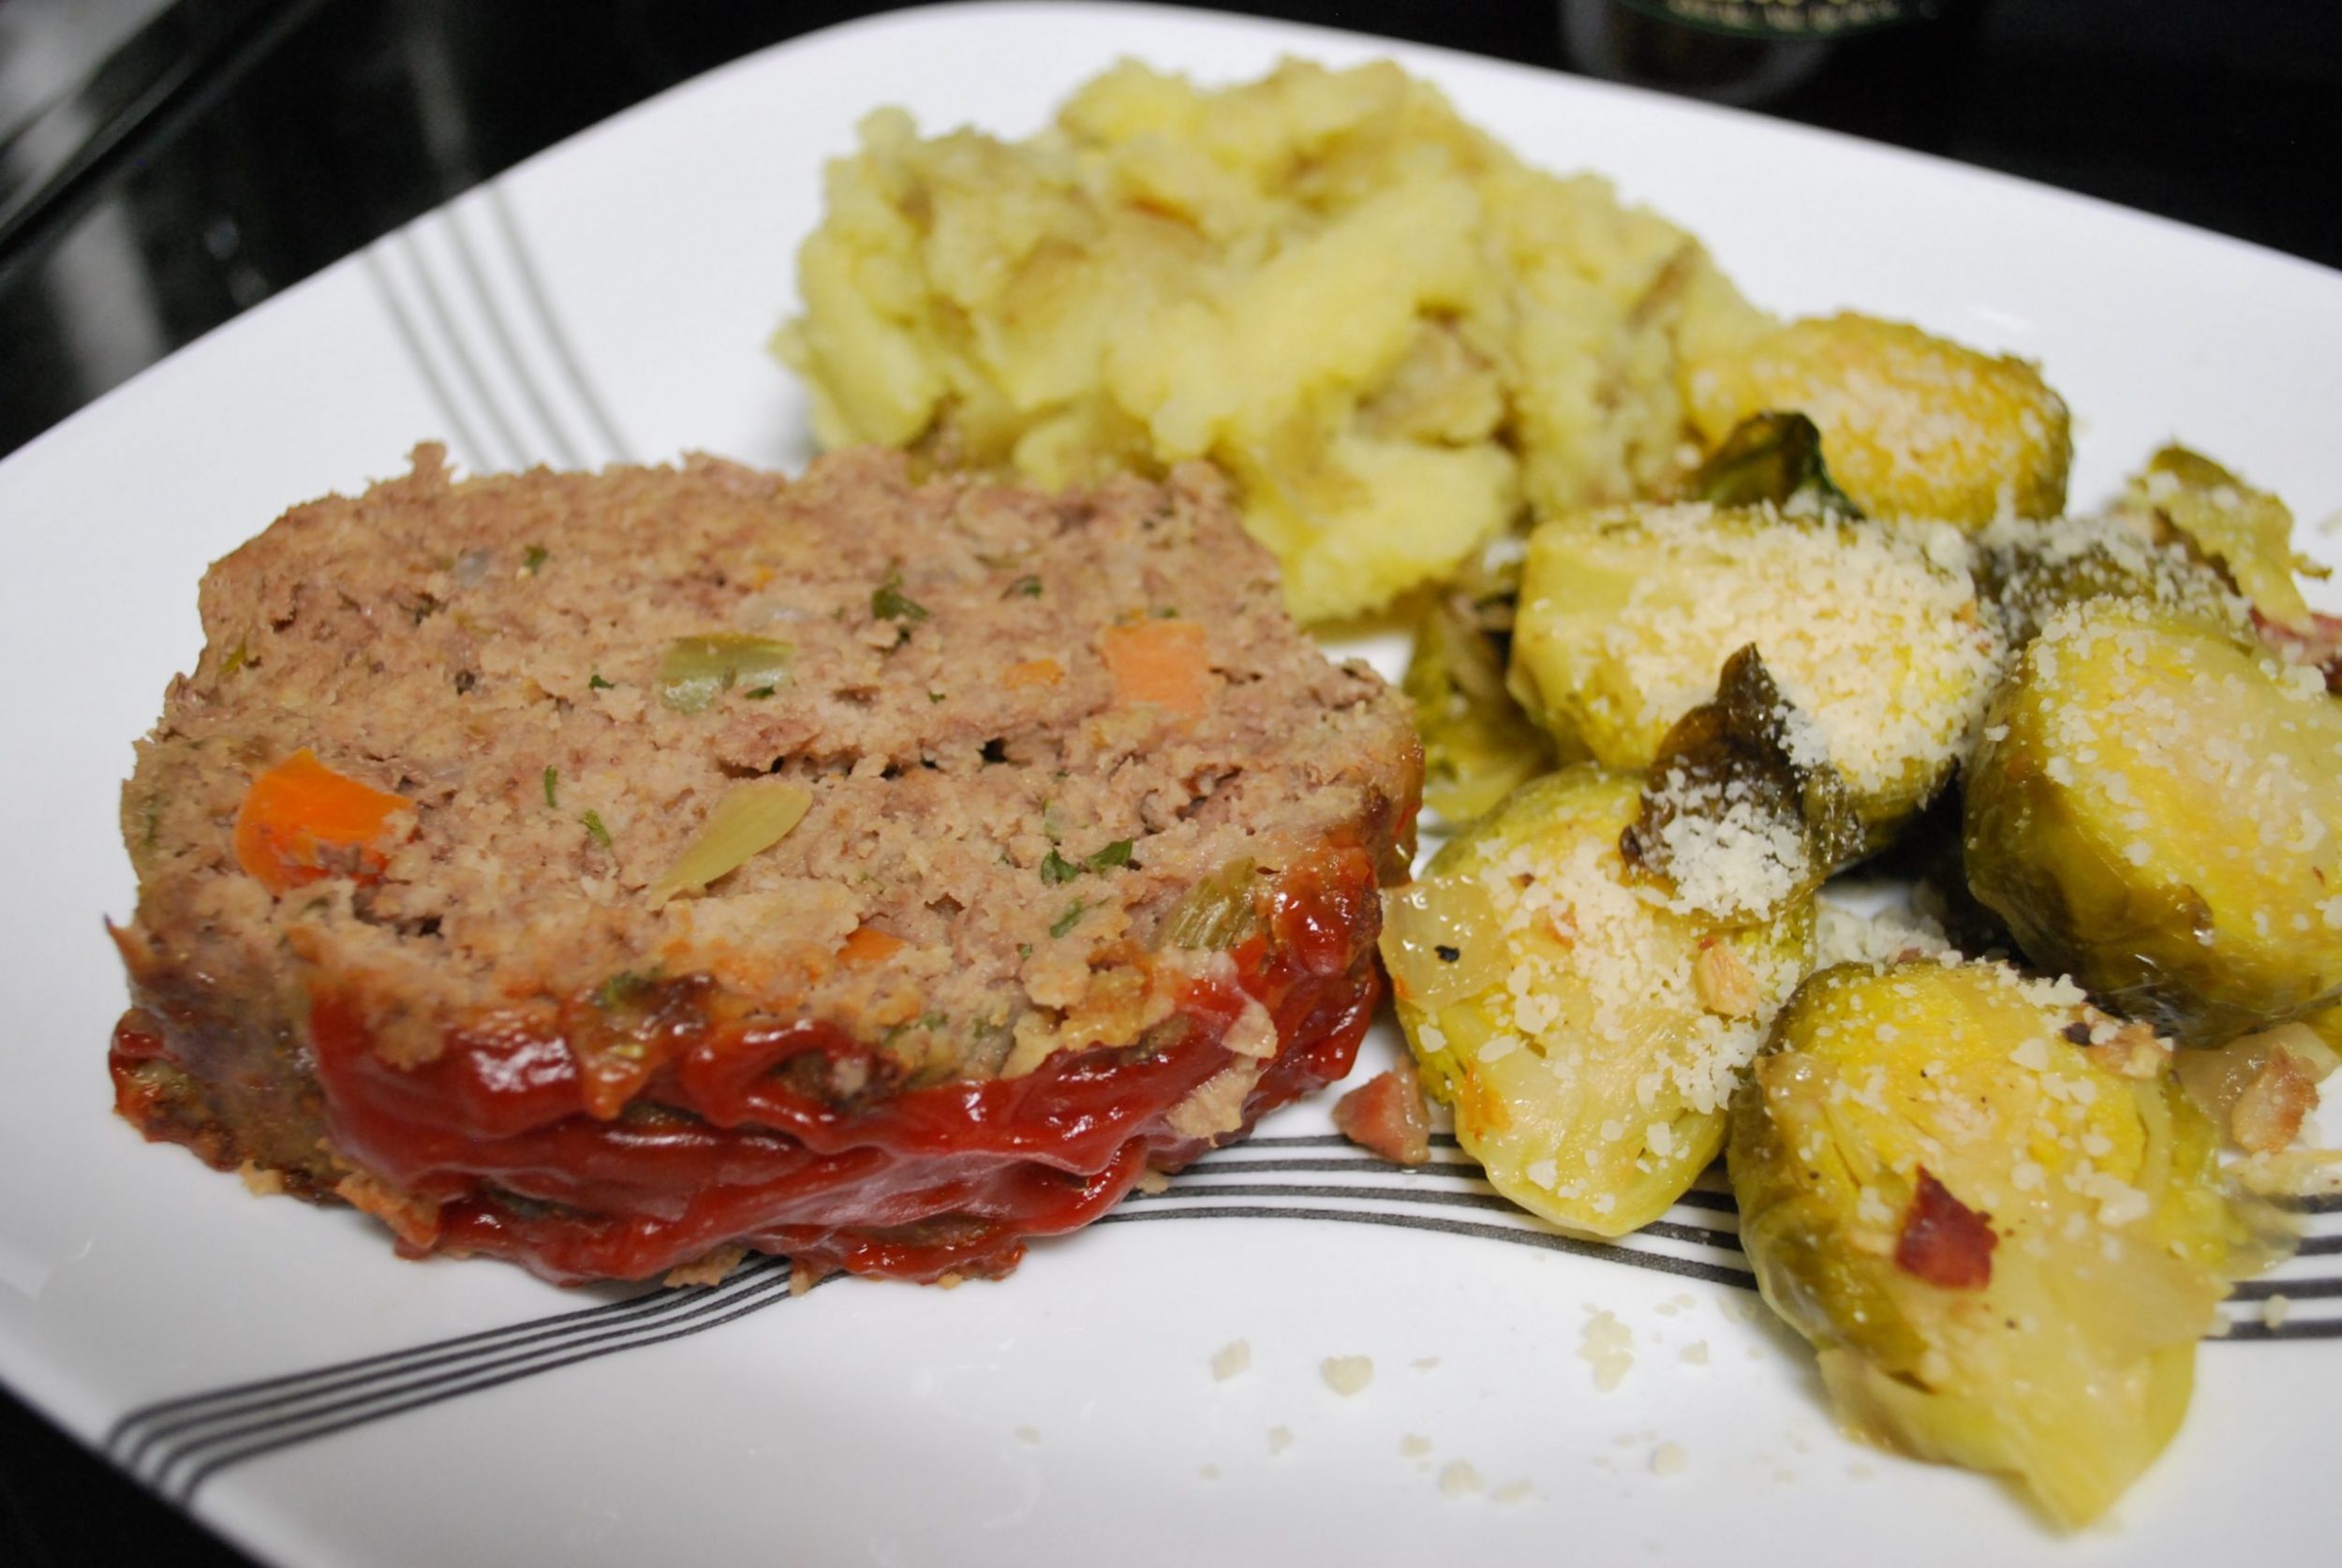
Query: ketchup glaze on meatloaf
[{"x": 1085, "y": 879}]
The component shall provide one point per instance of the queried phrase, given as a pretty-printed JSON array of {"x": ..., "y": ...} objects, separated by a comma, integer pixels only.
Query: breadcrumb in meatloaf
[{"x": 1084, "y": 879}]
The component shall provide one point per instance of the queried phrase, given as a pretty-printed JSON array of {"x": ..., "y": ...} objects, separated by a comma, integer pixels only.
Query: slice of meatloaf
[{"x": 1085, "y": 878}]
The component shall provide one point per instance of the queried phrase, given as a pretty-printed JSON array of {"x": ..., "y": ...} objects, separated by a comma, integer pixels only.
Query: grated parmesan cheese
[
  {"x": 1607, "y": 1346},
  {"x": 1348, "y": 1375}
]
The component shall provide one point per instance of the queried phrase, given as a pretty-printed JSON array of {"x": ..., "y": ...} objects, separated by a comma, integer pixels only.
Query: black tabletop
[{"x": 166, "y": 166}]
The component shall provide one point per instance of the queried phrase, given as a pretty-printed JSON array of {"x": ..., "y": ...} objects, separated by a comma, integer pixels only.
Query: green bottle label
[{"x": 1786, "y": 19}]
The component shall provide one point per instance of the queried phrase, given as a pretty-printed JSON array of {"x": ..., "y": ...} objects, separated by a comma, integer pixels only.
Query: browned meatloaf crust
[{"x": 1087, "y": 882}]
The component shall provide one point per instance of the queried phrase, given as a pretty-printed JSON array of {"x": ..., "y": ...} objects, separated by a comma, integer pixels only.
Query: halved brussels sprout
[
  {"x": 1994, "y": 1213},
  {"x": 1587, "y": 1036},
  {"x": 1477, "y": 744},
  {"x": 1872, "y": 631},
  {"x": 2027, "y": 568},
  {"x": 2156, "y": 810},
  {"x": 1914, "y": 425}
]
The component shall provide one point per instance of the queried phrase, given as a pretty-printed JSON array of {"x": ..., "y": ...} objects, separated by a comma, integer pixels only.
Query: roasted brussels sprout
[
  {"x": 1914, "y": 426},
  {"x": 2156, "y": 810},
  {"x": 1735, "y": 822},
  {"x": 1770, "y": 460},
  {"x": 1996, "y": 1216},
  {"x": 1872, "y": 631},
  {"x": 1587, "y": 1036},
  {"x": 2027, "y": 568},
  {"x": 1477, "y": 744}
]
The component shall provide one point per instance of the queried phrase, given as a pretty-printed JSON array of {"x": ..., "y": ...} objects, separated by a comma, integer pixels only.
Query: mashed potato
[{"x": 1390, "y": 330}]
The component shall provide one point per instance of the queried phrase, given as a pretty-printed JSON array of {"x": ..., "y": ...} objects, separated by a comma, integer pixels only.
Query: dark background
[{"x": 164, "y": 166}]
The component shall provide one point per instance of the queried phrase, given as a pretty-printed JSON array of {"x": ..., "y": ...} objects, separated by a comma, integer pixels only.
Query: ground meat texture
[{"x": 1073, "y": 895}]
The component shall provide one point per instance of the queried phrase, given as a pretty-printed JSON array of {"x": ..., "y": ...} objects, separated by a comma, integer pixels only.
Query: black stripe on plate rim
[
  {"x": 1315, "y": 1140},
  {"x": 1469, "y": 1168},
  {"x": 271, "y": 1436},
  {"x": 300, "y": 1397},
  {"x": 642, "y": 1307},
  {"x": 2255, "y": 1331},
  {"x": 2248, "y": 1327},
  {"x": 1554, "y": 1241},
  {"x": 171, "y": 1430},
  {"x": 1204, "y": 1192},
  {"x": 266, "y": 1414},
  {"x": 2292, "y": 1290},
  {"x": 2310, "y": 1203}
]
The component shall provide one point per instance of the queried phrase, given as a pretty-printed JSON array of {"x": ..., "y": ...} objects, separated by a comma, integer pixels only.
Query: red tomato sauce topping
[{"x": 536, "y": 1148}]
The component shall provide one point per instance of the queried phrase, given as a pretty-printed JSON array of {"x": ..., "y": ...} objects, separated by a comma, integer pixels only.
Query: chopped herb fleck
[
  {"x": 1448, "y": 954},
  {"x": 533, "y": 557},
  {"x": 1024, "y": 949},
  {"x": 1167, "y": 612},
  {"x": 1024, "y": 587},
  {"x": 935, "y": 696},
  {"x": 1066, "y": 921},
  {"x": 553, "y": 787},
  {"x": 238, "y": 656},
  {"x": 593, "y": 825},
  {"x": 1056, "y": 869},
  {"x": 757, "y": 694},
  {"x": 621, "y": 988},
  {"x": 888, "y": 602},
  {"x": 597, "y": 684}
]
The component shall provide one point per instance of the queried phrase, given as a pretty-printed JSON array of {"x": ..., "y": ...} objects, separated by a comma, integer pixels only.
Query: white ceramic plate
[{"x": 612, "y": 299}]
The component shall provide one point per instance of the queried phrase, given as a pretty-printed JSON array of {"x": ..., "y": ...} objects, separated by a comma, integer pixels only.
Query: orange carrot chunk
[
  {"x": 1163, "y": 662},
  {"x": 868, "y": 945},
  {"x": 302, "y": 822},
  {"x": 1030, "y": 673}
]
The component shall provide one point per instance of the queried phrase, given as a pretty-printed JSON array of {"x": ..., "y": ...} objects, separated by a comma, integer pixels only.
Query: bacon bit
[
  {"x": 1723, "y": 983},
  {"x": 1387, "y": 1116},
  {"x": 2267, "y": 1116},
  {"x": 868, "y": 945},
  {"x": 2318, "y": 646},
  {"x": 301, "y": 822},
  {"x": 1163, "y": 663},
  {"x": 2135, "y": 1052},
  {"x": 1032, "y": 672},
  {"x": 1944, "y": 1241}
]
